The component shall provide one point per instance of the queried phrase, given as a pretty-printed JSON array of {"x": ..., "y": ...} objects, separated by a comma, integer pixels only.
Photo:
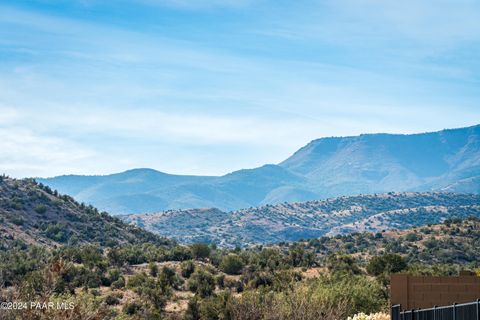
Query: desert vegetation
[
  {"x": 301, "y": 280},
  {"x": 129, "y": 273}
]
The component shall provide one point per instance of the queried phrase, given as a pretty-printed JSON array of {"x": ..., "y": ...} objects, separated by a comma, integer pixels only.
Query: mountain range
[{"x": 447, "y": 160}]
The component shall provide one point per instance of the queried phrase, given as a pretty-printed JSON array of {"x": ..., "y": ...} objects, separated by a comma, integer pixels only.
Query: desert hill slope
[
  {"x": 312, "y": 219},
  {"x": 33, "y": 214}
]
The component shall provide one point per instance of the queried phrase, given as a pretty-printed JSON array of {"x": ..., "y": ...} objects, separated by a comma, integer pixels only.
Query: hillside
[
  {"x": 447, "y": 160},
  {"x": 312, "y": 219},
  {"x": 205, "y": 282},
  {"x": 455, "y": 241},
  {"x": 34, "y": 214}
]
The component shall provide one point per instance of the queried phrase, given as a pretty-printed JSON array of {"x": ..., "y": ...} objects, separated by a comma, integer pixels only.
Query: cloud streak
[
  {"x": 209, "y": 91},
  {"x": 200, "y": 4}
]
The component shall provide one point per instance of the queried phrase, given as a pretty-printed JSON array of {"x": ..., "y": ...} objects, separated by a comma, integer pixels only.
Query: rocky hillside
[
  {"x": 33, "y": 214},
  {"x": 312, "y": 219},
  {"x": 453, "y": 242},
  {"x": 447, "y": 160}
]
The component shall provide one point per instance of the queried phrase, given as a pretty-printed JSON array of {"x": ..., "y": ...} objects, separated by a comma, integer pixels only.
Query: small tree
[
  {"x": 187, "y": 267},
  {"x": 152, "y": 266},
  {"x": 202, "y": 283},
  {"x": 388, "y": 263},
  {"x": 200, "y": 251},
  {"x": 342, "y": 263},
  {"x": 232, "y": 264},
  {"x": 193, "y": 310},
  {"x": 168, "y": 278}
]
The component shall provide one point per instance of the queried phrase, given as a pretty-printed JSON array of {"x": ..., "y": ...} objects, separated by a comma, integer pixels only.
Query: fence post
[
  {"x": 413, "y": 314},
  {"x": 478, "y": 309},
  {"x": 395, "y": 312},
  {"x": 454, "y": 311},
  {"x": 435, "y": 313}
]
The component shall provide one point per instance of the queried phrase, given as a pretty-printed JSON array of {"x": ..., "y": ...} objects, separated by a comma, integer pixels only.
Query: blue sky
[{"x": 208, "y": 87}]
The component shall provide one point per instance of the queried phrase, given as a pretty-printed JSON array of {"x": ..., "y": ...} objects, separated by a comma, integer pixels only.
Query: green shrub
[
  {"x": 132, "y": 308},
  {"x": 57, "y": 232},
  {"x": 232, "y": 264},
  {"x": 118, "y": 284},
  {"x": 169, "y": 278},
  {"x": 200, "y": 251},
  {"x": 187, "y": 268},
  {"x": 137, "y": 281},
  {"x": 41, "y": 208},
  {"x": 388, "y": 263},
  {"x": 193, "y": 310},
  {"x": 202, "y": 283},
  {"x": 342, "y": 263},
  {"x": 358, "y": 292},
  {"x": 112, "y": 300},
  {"x": 153, "y": 269},
  {"x": 19, "y": 221}
]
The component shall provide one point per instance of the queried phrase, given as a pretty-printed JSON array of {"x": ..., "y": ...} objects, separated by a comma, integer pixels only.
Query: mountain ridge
[{"x": 447, "y": 160}]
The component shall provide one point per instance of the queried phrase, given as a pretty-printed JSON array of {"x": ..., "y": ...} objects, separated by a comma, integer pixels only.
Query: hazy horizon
[{"x": 267, "y": 163}]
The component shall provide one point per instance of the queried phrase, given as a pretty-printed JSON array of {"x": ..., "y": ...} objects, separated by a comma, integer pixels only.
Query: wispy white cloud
[
  {"x": 178, "y": 4},
  {"x": 407, "y": 26},
  {"x": 200, "y": 4},
  {"x": 8, "y": 115},
  {"x": 26, "y": 153},
  {"x": 82, "y": 96},
  {"x": 427, "y": 21}
]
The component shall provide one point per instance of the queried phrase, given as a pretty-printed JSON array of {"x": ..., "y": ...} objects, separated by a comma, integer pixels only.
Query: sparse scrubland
[
  {"x": 270, "y": 224},
  {"x": 111, "y": 270}
]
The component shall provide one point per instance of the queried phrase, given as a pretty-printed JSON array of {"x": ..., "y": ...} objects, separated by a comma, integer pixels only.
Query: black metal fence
[{"x": 463, "y": 311}]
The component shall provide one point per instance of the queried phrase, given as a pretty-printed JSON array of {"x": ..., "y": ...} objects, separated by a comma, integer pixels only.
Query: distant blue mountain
[{"x": 447, "y": 160}]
